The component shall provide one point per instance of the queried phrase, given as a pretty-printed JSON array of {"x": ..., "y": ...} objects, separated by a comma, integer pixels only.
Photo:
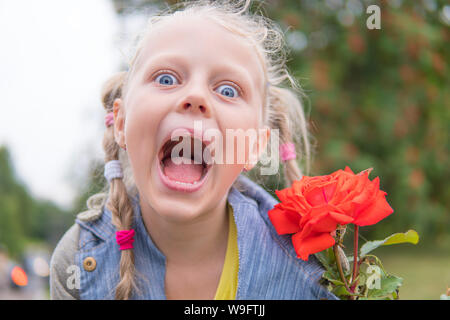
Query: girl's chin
[{"x": 177, "y": 208}]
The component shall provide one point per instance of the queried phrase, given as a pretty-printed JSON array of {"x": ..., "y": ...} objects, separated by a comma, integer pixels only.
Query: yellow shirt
[{"x": 229, "y": 278}]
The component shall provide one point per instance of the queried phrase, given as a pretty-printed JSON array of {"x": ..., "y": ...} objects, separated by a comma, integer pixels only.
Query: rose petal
[
  {"x": 340, "y": 218},
  {"x": 311, "y": 245},
  {"x": 297, "y": 185},
  {"x": 315, "y": 197},
  {"x": 324, "y": 220},
  {"x": 379, "y": 210},
  {"x": 347, "y": 169},
  {"x": 285, "y": 222},
  {"x": 320, "y": 222},
  {"x": 284, "y": 194},
  {"x": 321, "y": 194}
]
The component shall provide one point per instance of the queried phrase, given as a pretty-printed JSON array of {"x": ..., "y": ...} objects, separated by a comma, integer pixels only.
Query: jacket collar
[
  {"x": 250, "y": 204},
  {"x": 249, "y": 196}
]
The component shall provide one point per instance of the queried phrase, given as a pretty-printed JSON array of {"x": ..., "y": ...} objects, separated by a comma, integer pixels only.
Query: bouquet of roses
[{"x": 317, "y": 210}]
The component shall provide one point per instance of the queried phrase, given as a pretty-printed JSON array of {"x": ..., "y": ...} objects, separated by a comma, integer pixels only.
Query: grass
[{"x": 425, "y": 271}]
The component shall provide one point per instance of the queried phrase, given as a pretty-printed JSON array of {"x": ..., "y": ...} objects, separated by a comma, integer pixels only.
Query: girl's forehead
[{"x": 201, "y": 42}]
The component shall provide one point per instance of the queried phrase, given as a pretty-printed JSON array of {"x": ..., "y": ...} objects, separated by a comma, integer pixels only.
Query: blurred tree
[
  {"x": 24, "y": 218},
  {"x": 12, "y": 230},
  {"x": 95, "y": 183},
  {"x": 377, "y": 98}
]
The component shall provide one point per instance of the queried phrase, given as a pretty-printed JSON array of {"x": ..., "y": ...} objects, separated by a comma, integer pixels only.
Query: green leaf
[
  {"x": 326, "y": 257},
  {"x": 389, "y": 285},
  {"x": 410, "y": 236},
  {"x": 342, "y": 292},
  {"x": 332, "y": 277}
]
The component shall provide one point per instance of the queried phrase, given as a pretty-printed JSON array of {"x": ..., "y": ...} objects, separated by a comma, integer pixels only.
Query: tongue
[{"x": 182, "y": 172}]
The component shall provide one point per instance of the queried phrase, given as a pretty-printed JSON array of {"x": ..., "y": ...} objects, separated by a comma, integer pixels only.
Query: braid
[
  {"x": 281, "y": 100},
  {"x": 119, "y": 203}
]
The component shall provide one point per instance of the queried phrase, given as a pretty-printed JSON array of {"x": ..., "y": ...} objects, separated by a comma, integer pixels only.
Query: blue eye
[
  {"x": 167, "y": 79},
  {"x": 228, "y": 91}
]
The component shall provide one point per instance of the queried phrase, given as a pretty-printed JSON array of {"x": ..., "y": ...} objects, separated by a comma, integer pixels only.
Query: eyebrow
[{"x": 175, "y": 59}]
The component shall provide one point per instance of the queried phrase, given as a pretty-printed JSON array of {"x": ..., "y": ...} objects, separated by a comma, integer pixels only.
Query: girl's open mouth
[{"x": 183, "y": 172}]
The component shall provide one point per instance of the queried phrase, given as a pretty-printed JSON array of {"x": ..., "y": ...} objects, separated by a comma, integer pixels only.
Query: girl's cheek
[
  {"x": 146, "y": 110},
  {"x": 242, "y": 123},
  {"x": 143, "y": 117},
  {"x": 243, "y": 118}
]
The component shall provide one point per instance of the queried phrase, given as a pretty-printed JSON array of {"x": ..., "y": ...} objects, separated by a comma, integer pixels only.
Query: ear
[
  {"x": 258, "y": 147},
  {"x": 119, "y": 122}
]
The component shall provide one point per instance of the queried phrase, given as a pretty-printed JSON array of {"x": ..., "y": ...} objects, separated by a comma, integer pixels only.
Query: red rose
[{"x": 313, "y": 207}]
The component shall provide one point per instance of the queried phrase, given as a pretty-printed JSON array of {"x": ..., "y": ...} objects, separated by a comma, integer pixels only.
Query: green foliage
[
  {"x": 95, "y": 183},
  {"x": 23, "y": 218},
  {"x": 378, "y": 99},
  {"x": 410, "y": 236},
  {"x": 13, "y": 221},
  {"x": 372, "y": 282}
]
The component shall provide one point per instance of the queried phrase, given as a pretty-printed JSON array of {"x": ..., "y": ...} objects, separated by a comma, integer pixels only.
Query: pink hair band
[
  {"x": 125, "y": 239},
  {"x": 109, "y": 119},
  {"x": 287, "y": 151}
]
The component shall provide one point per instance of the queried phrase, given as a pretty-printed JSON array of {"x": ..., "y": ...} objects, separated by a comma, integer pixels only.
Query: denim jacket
[{"x": 268, "y": 265}]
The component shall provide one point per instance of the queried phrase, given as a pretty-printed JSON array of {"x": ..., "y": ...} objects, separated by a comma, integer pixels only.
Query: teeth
[{"x": 186, "y": 183}]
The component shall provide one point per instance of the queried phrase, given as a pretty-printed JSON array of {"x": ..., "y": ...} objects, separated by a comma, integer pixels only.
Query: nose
[{"x": 196, "y": 104}]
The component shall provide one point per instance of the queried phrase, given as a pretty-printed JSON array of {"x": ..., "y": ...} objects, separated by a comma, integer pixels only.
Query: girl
[{"x": 165, "y": 230}]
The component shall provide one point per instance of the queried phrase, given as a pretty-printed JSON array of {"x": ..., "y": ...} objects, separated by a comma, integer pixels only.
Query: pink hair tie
[
  {"x": 109, "y": 119},
  {"x": 287, "y": 151},
  {"x": 125, "y": 239}
]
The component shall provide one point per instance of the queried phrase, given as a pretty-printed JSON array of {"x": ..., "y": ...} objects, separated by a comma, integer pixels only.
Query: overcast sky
[{"x": 54, "y": 58}]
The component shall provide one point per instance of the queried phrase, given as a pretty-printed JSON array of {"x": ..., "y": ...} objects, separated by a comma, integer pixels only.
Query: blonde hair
[{"x": 282, "y": 108}]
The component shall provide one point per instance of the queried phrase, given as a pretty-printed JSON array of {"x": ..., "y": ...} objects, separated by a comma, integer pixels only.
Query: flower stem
[
  {"x": 355, "y": 259},
  {"x": 338, "y": 263}
]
